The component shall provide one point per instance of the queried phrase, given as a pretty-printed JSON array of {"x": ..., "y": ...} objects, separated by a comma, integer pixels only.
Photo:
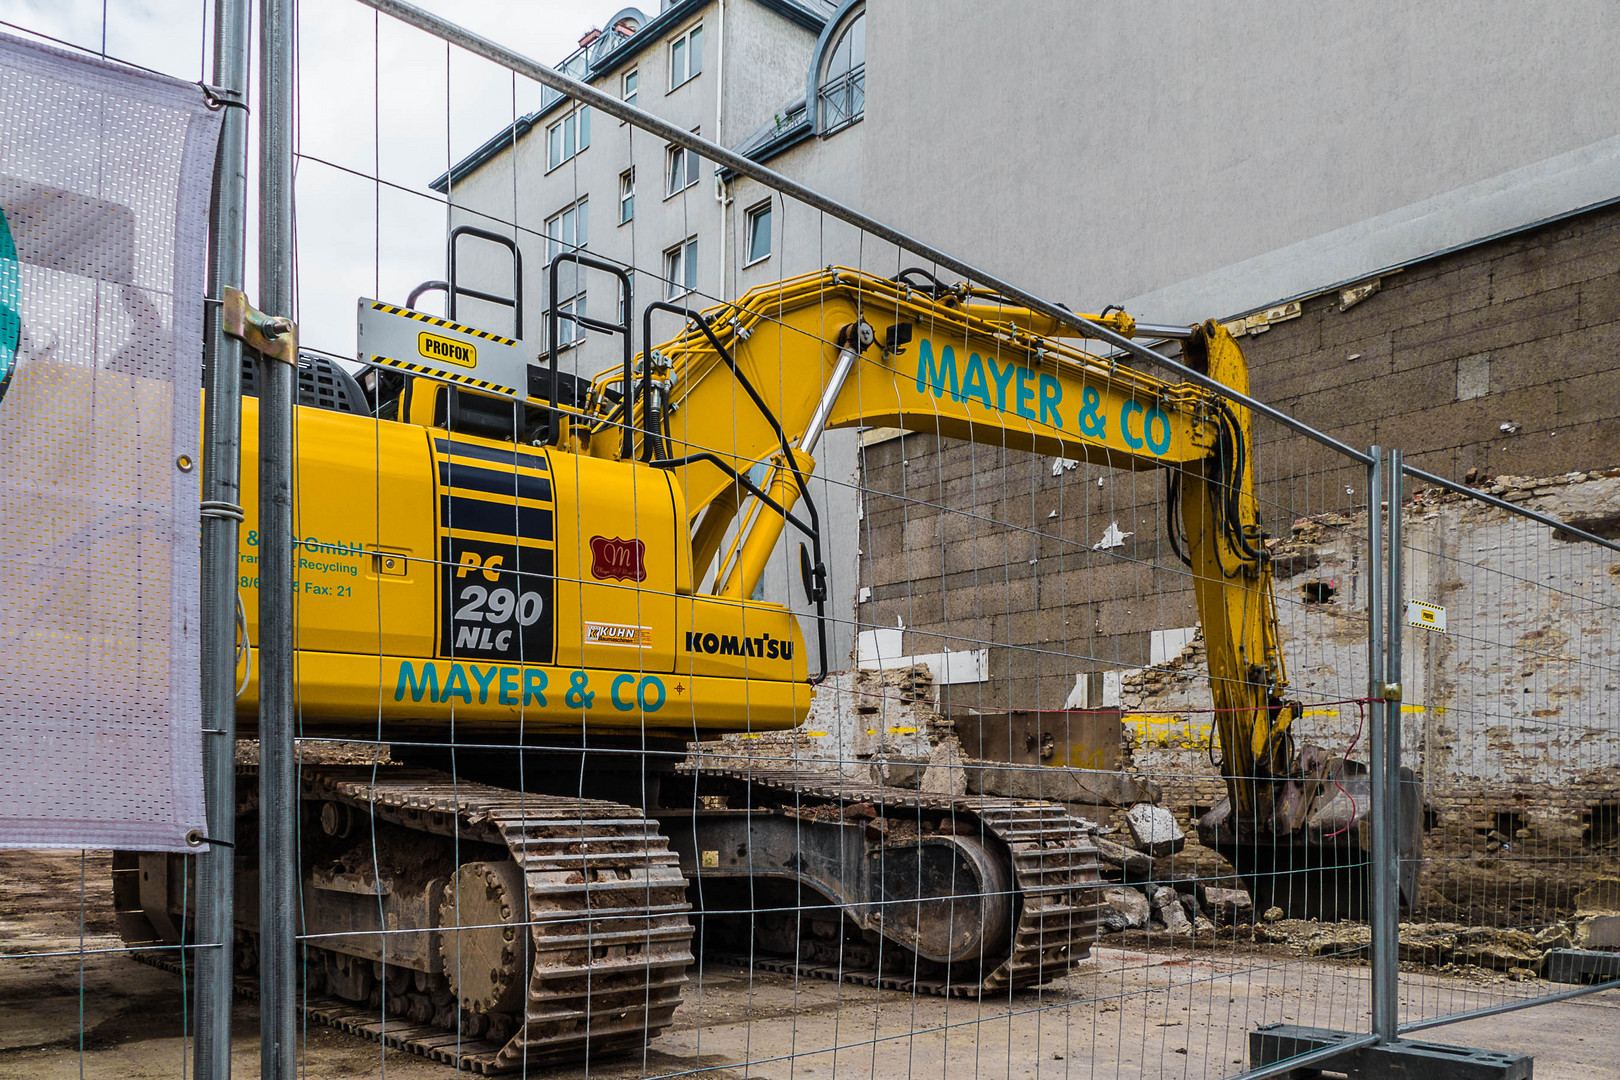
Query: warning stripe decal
[
  {"x": 534, "y": 543},
  {"x": 448, "y": 376},
  {"x": 433, "y": 320}
]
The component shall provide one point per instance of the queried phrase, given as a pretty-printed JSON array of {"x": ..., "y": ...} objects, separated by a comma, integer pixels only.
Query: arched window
[{"x": 843, "y": 80}]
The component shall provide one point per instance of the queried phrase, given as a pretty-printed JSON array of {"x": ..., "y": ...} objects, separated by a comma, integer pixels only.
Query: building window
[
  {"x": 567, "y": 229},
  {"x": 569, "y": 332},
  {"x": 627, "y": 195},
  {"x": 681, "y": 168},
  {"x": 568, "y": 136},
  {"x": 759, "y": 232},
  {"x": 843, "y": 83},
  {"x": 686, "y": 56},
  {"x": 627, "y": 296},
  {"x": 627, "y": 87},
  {"x": 680, "y": 269}
]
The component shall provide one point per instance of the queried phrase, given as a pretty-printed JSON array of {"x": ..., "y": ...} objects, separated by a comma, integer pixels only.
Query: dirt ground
[{"x": 1141, "y": 1008}]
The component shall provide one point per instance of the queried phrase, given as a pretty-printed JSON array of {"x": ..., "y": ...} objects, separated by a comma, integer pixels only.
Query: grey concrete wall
[
  {"x": 1199, "y": 160},
  {"x": 766, "y": 61}
]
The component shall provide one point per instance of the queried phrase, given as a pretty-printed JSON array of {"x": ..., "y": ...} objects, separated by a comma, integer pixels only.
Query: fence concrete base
[
  {"x": 1582, "y": 966},
  {"x": 1404, "y": 1059}
]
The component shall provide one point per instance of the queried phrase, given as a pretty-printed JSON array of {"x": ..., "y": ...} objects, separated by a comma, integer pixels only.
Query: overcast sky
[{"x": 382, "y": 111}]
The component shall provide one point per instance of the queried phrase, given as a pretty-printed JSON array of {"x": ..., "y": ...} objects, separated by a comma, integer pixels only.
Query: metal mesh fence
[
  {"x": 1084, "y": 790},
  {"x": 1508, "y": 719}
]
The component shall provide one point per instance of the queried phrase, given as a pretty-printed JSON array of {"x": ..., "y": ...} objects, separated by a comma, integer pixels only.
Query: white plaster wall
[{"x": 1523, "y": 688}]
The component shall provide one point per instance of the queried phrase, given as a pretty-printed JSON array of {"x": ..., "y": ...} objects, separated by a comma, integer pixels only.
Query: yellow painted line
[
  {"x": 902, "y": 731},
  {"x": 497, "y": 538},
  {"x": 457, "y": 456},
  {"x": 817, "y": 734},
  {"x": 491, "y": 499}
]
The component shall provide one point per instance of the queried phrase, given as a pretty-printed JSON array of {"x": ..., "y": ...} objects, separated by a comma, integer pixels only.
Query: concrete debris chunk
[
  {"x": 1154, "y": 830},
  {"x": 1598, "y": 932},
  {"x": 1167, "y": 906},
  {"x": 1428, "y": 943},
  {"x": 1229, "y": 907},
  {"x": 1132, "y": 864},
  {"x": 1124, "y": 908},
  {"x": 1602, "y": 895},
  {"x": 945, "y": 774},
  {"x": 1500, "y": 949},
  {"x": 1556, "y": 936}
]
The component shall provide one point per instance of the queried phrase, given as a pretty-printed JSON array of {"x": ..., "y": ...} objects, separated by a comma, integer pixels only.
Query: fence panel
[{"x": 1511, "y": 672}]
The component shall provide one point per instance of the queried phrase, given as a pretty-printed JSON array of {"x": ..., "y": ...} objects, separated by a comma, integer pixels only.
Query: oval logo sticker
[{"x": 446, "y": 350}]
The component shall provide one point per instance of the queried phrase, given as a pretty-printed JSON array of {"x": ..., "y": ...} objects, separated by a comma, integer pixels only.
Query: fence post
[
  {"x": 222, "y": 452},
  {"x": 1384, "y": 671},
  {"x": 278, "y": 393},
  {"x": 1387, "y": 789},
  {"x": 1385, "y": 963}
]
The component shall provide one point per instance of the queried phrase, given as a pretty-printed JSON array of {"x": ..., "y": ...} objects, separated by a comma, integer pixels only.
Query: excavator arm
[{"x": 736, "y": 403}]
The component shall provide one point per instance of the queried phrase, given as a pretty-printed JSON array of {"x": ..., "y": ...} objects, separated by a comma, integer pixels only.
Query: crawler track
[
  {"x": 609, "y": 936},
  {"x": 1055, "y": 876}
]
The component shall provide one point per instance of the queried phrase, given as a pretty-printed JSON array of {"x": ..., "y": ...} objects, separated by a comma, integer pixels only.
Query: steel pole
[
  {"x": 278, "y": 385},
  {"x": 222, "y": 495},
  {"x": 1387, "y": 795},
  {"x": 1384, "y": 957}
]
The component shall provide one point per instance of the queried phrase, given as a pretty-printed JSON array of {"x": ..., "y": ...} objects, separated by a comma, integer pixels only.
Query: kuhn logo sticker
[
  {"x": 632, "y": 637},
  {"x": 620, "y": 560}
]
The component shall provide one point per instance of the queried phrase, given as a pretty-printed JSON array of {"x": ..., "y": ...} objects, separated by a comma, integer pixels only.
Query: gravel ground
[{"x": 1141, "y": 1008}]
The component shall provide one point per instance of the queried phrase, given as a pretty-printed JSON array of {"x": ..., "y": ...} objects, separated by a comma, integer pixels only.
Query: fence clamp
[
  {"x": 274, "y": 337},
  {"x": 1391, "y": 691}
]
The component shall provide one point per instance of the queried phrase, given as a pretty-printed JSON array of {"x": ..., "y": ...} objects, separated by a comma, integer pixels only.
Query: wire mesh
[
  {"x": 569, "y": 800},
  {"x": 1509, "y": 722}
]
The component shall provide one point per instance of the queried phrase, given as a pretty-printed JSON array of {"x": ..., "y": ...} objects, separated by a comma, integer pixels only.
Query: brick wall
[{"x": 1523, "y": 330}]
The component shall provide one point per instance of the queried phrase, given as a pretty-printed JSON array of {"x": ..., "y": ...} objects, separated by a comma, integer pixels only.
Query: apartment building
[{"x": 562, "y": 180}]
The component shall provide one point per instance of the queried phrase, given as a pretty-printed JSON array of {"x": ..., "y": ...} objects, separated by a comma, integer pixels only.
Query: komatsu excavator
[{"x": 540, "y": 597}]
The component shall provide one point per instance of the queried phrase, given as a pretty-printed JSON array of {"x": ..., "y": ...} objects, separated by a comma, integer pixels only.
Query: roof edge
[{"x": 650, "y": 33}]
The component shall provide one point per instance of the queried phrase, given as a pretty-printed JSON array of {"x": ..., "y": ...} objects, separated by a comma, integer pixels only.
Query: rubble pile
[
  {"x": 1450, "y": 947},
  {"x": 1144, "y": 892}
]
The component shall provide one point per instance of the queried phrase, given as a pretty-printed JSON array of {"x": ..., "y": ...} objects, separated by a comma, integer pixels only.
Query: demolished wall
[{"x": 1511, "y": 719}]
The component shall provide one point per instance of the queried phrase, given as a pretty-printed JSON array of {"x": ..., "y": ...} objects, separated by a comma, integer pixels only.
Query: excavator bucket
[{"x": 1318, "y": 868}]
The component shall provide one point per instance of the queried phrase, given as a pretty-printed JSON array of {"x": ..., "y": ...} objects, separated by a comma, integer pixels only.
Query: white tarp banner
[{"x": 104, "y": 186}]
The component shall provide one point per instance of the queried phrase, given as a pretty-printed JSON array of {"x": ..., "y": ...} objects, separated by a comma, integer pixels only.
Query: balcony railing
[
  {"x": 843, "y": 100},
  {"x": 580, "y": 62}
]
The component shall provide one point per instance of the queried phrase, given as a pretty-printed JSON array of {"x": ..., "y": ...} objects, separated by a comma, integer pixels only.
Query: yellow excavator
[{"x": 539, "y": 595}]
